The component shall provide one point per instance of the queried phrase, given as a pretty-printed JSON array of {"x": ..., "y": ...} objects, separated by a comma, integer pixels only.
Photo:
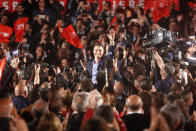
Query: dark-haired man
[
  {"x": 106, "y": 112},
  {"x": 96, "y": 64}
]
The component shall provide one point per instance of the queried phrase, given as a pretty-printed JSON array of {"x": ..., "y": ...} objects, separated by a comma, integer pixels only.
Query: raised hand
[
  {"x": 15, "y": 62},
  {"x": 111, "y": 36}
]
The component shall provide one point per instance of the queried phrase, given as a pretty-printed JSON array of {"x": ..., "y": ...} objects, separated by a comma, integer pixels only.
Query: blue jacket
[
  {"x": 164, "y": 85},
  {"x": 20, "y": 102},
  {"x": 89, "y": 66}
]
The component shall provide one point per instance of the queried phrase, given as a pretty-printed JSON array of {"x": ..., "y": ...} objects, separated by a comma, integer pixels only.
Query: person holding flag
[
  {"x": 6, "y": 70},
  {"x": 70, "y": 35},
  {"x": 19, "y": 28}
]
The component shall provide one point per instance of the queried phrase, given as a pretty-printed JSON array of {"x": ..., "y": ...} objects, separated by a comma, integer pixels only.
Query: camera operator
[
  {"x": 45, "y": 73},
  {"x": 167, "y": 74},
  {"x": 126, "y": 68}
]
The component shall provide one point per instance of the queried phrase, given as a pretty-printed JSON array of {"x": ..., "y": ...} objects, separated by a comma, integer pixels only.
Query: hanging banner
[
  {"x": 133, "y": 3},
  {"x": 121, "y": 3},
  {"x": 9, "y": 5}
]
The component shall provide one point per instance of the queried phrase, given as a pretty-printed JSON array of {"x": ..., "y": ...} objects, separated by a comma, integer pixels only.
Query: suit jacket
[
  {"x": 75, "y": 121},
  {"x": 5, "y": 123},
  {"x": 136, "y": 122},
  {"x": 33, "y": 125},
  {"x": 89, "y": 66},
  {"x": 164, "y": 85},
  {"x": 7, "y": 76},
  {"x": 20, "y": 102}
]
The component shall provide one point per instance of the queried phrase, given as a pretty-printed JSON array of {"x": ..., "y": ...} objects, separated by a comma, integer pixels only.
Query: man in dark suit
[
  {"x": 5, "y": 110},
  {"x": 98, "y": 63},
  {"x": 20, "y": 100},
  {"x": 134, "y": 118}
]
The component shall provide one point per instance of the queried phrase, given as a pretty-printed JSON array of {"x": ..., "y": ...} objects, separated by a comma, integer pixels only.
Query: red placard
[{"x": 19, "y": 28}]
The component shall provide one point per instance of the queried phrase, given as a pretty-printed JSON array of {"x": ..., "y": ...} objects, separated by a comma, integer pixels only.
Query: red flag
[
  {"x": 113, "y": 20},
  {"x": 2, "y": 65},
  {"x": 19, "y": 28},
  {"x": 4, "y": 40},
  {"x": 59, "y": 27},
  {"x": 5, "y": 33},
  {"x": 192, "y": 5},
  {"x": 70, "y": 35}
]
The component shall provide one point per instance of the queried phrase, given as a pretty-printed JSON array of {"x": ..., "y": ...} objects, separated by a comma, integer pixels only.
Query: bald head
[
  {"x": 21, "y": 89},
  {"x": 6, "y": 107},
  {"x": 134, "y": 103},
  {"x": 119, "y": 88}
]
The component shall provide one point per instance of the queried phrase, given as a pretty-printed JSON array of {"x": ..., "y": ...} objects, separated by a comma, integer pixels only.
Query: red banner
[
  {"x": 159, "y": 8},
  {"x": 113, "y": 20},
  {"x": 155, "y": 4},
  {"x": 19, "y": 28},
  {"x": 9, "y": 5},
  {"x": 146, "y": 4},
  {"x": 159, "y": 13},
  {"x": 121, "y": 3}
]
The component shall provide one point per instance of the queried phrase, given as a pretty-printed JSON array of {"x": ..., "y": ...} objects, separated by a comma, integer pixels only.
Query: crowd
[{"x": 114, "y": 83}]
